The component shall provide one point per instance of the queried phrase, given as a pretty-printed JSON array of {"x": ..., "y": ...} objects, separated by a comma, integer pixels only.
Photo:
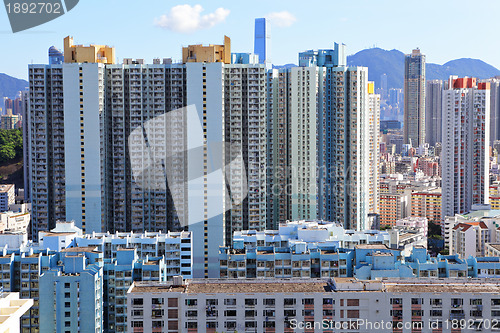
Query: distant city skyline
[{"x": 160, "y": 29}]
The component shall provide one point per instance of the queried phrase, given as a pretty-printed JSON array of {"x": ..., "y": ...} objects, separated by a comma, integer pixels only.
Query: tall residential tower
[
  {"x": 150, "y": 147},
  {"x": 465, "y": 154},
  {"x": 414, "y": 99}
]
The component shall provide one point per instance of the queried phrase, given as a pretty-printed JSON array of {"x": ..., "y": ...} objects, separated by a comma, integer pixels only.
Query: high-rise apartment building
[
  {"x": 414, "y": 99},
  {"x": 7, "y": 196},
  {"x": 278, "y": 148},
  {"x": 465, "y": 152},
  {"x": 427, "y": 203},
  {"x": 433, "y": 104},
  {"x": 150, "y": 147},
  {"x": 494, "y": 108},
  {"x": 324, "y": 125},
  {"x": 374, "y": 148},
  {"x": 262, "y": 41}
]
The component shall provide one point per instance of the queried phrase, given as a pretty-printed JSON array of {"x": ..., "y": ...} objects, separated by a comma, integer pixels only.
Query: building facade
[
  {"x": 433, "y": 111},
  {"x": 414, "y": 99},
  {"x": 325, "y": 127},
  {"x": 340, "y": 304},
  {"x": 465, "y": 153},
  {"x": 129, "y": 169}
]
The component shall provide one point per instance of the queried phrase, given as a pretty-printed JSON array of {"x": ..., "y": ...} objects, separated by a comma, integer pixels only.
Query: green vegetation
[
  {"x": 434, "y": 230},
  {"x": 445, "y": 252},
  {"x": 11, "y": 145}
]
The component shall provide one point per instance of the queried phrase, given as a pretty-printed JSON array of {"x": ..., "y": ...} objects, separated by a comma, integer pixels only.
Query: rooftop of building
[
  {"x": 81, "y": 249},
  {"x": 50, "y": 234},
  {"x": 395, "y": 285},
  {"x": 372, "y": 247},
  {"x": 483, "y": 213},
  {"x": 495, "y": 246},
  {"x": 443, "y": 286},
  {"x": 6, "y": 187},
  {"x": 229, "y": 286}
]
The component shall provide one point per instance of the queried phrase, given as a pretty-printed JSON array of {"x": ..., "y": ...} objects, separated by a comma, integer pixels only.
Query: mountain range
[
  {"x": 377, "y": 60},
  {"x": 391, "y": 62},
  {"x": 10, "y": 86}
]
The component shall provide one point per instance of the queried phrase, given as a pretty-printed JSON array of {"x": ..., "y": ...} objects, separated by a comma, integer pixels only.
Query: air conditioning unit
[{"x": 178, "y": 280}]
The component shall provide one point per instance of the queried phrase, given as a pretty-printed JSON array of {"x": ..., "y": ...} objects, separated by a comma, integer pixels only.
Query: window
[
  {"x": 191, "y": 302},
  {"x": 476, "y": 301},
  {"x": 289, "y": 301},
  {"x": 67, "y": 295},
  {"x": 476, "y": 313},
  {"x": 250, "y": 313},
  {"x": 137, "y": 301},
  {"x": 328, "y": 313},
  {"x": 436, "y": 313},
  {"x": 212, "y": 302},
  {"x": 328, "y": 301},
  {"x": 230, "y": 313},
  {"x": 157, "y": 301},
  {"x": 230, "y": 301},
  {"x": 137, "y": 324},
  {"x": 269, "y": 302},
  {"x": 191, "y": 313},
  {"x": 212, "y": 324},
  {"x": 250, "y": 324},
  {"x": 308, "y": 301},
  {"x": 230, "y": 324},
  {"x": 436, "y": 301},
  {"x": 268, "y": 313},
  {"x": 308, "y": 313},
  {"x": 250, "y": 301},
  {"x": 137, "y": 313},
  {"x": 157, "y": 323},
  {"x": 192, "y": 324},
  {"x": 67, "y": 304},
  {"x": 66, "y": 285}
]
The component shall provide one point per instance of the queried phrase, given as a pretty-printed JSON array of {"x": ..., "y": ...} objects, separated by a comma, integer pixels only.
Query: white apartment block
[
  {"x": 323, "y": 130},
  {"x": 12, "y": 308},
  {"x": 305, "y": 96},
  {"x": 465, "y": 153},
  {"x": 332, "y": 134},
  {"x": 467, "y": 235},
  {"x": 374, "y": 151},
  {"x": 314, "y": 305},
  {"x": 195, "y": 157},
  {"x": 7, "y": 196},
  {"x": 176, "y": 247}
]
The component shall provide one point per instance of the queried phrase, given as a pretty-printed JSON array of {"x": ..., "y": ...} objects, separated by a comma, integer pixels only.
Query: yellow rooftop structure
[
  {"x": 92, "y": 54},
  {"x": 211, "y": 53}
]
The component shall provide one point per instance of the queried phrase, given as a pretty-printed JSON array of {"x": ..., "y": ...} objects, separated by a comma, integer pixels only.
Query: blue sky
[{"x": 442, "y": 29}]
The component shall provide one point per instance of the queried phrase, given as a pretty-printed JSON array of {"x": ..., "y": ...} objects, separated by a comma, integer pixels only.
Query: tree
[
  {"x": 11, "y": 144},
  {"x": 7, "y": 152}
]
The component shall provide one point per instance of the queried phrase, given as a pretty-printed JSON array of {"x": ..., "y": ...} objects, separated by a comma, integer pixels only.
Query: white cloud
[
  {"x": 282, "y": 19},
  {"x": 187, "y": 19}
]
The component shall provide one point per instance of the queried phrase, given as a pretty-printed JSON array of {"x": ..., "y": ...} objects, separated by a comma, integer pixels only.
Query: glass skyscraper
[{"x": 262, "y": 42}]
